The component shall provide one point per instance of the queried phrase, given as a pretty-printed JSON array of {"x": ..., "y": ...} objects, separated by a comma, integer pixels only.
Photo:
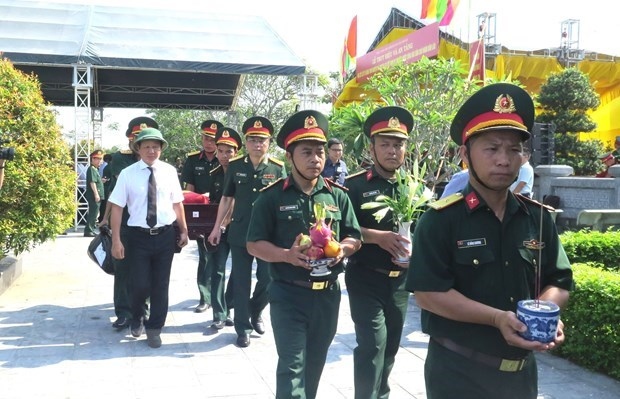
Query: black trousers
[{"x": 150, "y": 259}]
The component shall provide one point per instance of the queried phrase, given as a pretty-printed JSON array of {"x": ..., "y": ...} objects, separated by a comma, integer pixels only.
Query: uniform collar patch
[
  {"x": 287, "y": 183},
  {"x": 472, "y": 200}
]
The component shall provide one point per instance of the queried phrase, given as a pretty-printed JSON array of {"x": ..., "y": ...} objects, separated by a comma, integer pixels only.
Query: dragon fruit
[{"x": 320, "y": 232}]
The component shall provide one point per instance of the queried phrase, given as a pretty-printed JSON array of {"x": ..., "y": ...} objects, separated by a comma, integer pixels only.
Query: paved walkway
[{"x": 56, "y": 341}]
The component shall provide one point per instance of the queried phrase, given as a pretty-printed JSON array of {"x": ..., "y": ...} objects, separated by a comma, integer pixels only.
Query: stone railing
[{"x": 576, "y": 193}]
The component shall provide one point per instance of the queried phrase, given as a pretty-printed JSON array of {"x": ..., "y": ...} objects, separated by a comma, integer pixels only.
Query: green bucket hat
[{"x": 150, "y": 133}]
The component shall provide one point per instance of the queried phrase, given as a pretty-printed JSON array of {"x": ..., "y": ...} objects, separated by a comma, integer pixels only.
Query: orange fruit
[{"x": 332, "y": 249}]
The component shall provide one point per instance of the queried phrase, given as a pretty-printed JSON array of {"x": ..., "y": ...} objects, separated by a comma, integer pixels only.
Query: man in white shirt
[
  {"x": 151, "y": 238},
  {"x": 525, "y": 181}
]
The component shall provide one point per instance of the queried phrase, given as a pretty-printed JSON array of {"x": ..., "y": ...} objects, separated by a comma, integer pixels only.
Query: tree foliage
[
  {"x": 273, "y": 97},
  {"x": 432, "y": 90},
  {"x": 565, "y": 100},
  {"x": 181, "y": 128},
  {"x": 37, "y": 200},
  {"x": 270, "y": 96}
]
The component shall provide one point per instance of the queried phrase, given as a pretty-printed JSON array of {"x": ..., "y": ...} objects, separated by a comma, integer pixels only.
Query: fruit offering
[{"x": 323, "y": 245}]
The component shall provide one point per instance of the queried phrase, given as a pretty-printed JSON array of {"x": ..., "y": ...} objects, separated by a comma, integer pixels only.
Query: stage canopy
[{"x": 141, "y": 57}]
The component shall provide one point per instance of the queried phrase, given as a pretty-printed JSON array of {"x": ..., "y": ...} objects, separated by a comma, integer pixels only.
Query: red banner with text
[{"x": 410, "y": 48}]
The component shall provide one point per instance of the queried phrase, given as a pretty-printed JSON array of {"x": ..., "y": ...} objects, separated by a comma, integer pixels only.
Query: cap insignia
[
  {"x": 258, "y": 124},
  {"x": 213, "y": 126},
  {"x": 504, "y": 104},
  {"x": 394, "y": 122},
  {"x": 143, "y": 126},
  {"x": 225, "y": 133},
  {"x": 309, "y": 122}
]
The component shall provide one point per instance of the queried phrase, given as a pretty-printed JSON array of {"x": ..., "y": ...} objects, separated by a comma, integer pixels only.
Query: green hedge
[
  {"x": 585, "y": 246},
  {"x": 592, "y": 320}
]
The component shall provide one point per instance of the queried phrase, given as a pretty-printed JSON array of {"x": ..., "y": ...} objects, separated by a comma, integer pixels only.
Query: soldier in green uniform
[
  {"x": 120, "y": 160},
  {"x": 375, "y": 279},
  {"x": 228, "y": 143},
  {"x": 94, "y": 192},
  {"x": 246, "y": 175},
  {"x": 304, "y": 308},
  {"x": 475, "y": 255},
  {"x": 197, "y": 178}
]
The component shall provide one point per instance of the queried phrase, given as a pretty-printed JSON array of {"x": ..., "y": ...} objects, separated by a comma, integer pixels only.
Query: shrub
[
  {"x": 591, "y": 320},
  {"x": 602, "y": 248},
  {"x": 37, "y": 200}
]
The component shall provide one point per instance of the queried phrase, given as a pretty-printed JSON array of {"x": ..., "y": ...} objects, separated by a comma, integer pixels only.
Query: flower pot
[{"x": 404, "y": 231}]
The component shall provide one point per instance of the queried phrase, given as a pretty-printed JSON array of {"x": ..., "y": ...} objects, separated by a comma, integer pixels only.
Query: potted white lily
[{"x": 411, "y": 196}]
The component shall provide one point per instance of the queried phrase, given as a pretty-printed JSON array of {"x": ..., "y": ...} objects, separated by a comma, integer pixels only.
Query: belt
[
  {"x": 387, "y": 272},
  {"x": 313, "y": 285},
  {"x": 509, "y": 365},
  {"x": 152, "y": 231}
]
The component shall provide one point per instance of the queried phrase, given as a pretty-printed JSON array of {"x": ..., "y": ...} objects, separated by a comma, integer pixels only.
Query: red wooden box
[{"x": 200, "y": 219}]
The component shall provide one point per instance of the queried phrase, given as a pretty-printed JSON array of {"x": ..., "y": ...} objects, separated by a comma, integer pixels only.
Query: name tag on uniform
[
  {"x": 331, "y": 208},
  {"x": 269, "y": 176},
  {"x": 371, "y": 193},
  {"x": 240, "y": 174},
  {"x": 474, "y": 242},
  {"x": 199, "y": 168},
  {"x": 285, "y": 208}
]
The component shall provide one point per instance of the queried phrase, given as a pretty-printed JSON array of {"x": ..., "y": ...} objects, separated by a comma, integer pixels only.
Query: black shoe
[
  {"x": 201, "y": 307},
  {"x": 229, "y": 322},
  {"x": 257, "y": 324},
  {"x": 153, "y": 339},
  {"x": 121, "y": 323},
  {"x": 217, "y": 325},
  {"x": 137, "y": 328},
  {"x": 243, "y": 341}
]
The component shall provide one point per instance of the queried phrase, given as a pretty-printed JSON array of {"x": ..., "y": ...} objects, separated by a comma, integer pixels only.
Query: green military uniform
[
  {"x": 93, "y": 176},
  {"x": 462, "y": 245},
  {"x": 377, "y": 295},
  {"x": 243, "y": 182},
  {"x": 304, "y": 308},
  {"x": 489, "y": 261},
  {"x": 376, "y": 286},
  {"x": 217, "y": 259},
  {"x": 197, "y": 171},
  {"x": 121, "y": 160}
]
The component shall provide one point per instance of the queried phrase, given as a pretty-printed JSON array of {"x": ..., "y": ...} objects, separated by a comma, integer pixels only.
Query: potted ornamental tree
[{"x": 411, "y": 197}]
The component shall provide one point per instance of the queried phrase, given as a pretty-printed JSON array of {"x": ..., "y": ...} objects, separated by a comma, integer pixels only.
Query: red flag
[{"x": 349, "y": 51}]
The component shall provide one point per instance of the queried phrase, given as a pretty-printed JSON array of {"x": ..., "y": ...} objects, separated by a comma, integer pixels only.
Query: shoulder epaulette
[
  {"x": 446, "y": 202},
  {"x": 276, "y": 161},
  {"x": 189, "y": 154},
  {"x": 534, "y": 202},
  {"x": 126, "y": 152},
  {"x": 361, "y": 172},
  {"x": 332, "y": 183},
  {"x": 238, "y": 157},
  {"x": 271, "y": 185},
  {"x": 215, "y": 170}
]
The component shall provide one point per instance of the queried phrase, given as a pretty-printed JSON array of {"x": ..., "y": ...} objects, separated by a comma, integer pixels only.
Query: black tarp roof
[{"x": 141, "y": 57}]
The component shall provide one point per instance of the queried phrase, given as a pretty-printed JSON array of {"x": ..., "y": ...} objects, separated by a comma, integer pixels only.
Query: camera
[{"x": 7, "y": 153}]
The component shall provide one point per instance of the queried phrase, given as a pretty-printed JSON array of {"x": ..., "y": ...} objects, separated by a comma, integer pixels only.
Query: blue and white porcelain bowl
[{"x": 541, "y": 319}]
